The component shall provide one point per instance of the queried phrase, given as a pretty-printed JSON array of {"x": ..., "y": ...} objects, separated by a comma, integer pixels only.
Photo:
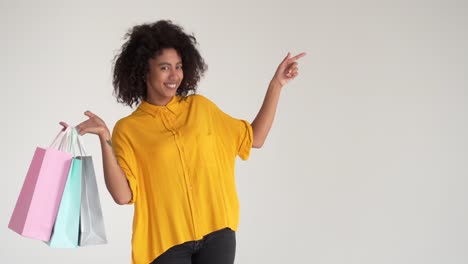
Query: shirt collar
[{"x": 154, "y": 110}]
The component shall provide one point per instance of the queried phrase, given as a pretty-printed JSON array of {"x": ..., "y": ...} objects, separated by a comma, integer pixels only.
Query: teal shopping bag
[{"x": 67, "y": 224}]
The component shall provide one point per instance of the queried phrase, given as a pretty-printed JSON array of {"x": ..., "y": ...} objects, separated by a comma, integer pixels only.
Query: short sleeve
[
  {"x": 238, "y": 133},
  {"x": 245, "y": 140},
  {"x": 125, "y": 157}
]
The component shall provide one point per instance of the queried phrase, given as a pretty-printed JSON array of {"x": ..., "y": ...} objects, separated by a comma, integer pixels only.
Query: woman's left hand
[{"x": 287, "y": 70}]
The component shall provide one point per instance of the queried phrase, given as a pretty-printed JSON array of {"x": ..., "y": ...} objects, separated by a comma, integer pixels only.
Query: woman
[{"x": 173, "y": 157}]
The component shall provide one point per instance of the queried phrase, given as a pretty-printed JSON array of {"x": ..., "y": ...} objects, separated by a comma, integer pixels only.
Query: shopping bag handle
[
  {"x": 67, "y": 139},
  {"x": 80, "y": 144},
  {"x": 77, "y": 141},
  {"x": 61, "y": 136}
]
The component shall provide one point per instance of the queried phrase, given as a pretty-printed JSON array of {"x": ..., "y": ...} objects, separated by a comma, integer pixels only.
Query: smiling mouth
[{"x": 171, "y": 85}]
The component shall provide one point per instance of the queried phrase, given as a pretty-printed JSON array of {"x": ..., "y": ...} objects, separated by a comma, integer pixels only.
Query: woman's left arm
[{"x": 287, "y": 70}]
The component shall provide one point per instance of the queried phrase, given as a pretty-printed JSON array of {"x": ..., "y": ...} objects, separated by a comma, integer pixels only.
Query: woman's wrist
[
  {"x": 275, "y": 84},
  {"x": 105, "y": 135}
]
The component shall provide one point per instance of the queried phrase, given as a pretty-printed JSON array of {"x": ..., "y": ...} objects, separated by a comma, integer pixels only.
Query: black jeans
[{"x": 218, "y": 247}]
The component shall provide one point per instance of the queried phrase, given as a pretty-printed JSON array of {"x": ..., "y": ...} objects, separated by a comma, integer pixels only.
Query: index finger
[{"x": 298, "y": 56}]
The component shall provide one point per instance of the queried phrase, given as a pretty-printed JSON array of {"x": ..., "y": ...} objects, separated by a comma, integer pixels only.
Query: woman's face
[{"x": 164, "y": 77}]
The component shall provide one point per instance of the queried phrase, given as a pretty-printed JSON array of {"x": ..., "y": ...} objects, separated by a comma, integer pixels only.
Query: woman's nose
[{"x": 172, "y": 72}]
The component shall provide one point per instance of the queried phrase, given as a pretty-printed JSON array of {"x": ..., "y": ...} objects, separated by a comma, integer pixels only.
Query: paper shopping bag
[
  {"x": 92, "y": 230},
  {"x": 39, "y": 199},
  {"x": 66, "y": 228}
]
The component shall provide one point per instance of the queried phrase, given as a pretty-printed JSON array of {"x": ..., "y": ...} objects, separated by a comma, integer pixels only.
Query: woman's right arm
[{"x": 114, "y": 177}]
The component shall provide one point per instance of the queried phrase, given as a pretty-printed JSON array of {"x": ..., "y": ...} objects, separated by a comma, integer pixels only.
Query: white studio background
[{"x": 367, "y": 161}]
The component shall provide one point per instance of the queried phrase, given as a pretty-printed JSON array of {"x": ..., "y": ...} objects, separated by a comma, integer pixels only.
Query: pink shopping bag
[{"x": 38, "y": 202}]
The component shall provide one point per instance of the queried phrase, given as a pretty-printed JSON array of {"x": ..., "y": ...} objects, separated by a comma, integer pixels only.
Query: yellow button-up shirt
[{"x": 179, "y": 161}]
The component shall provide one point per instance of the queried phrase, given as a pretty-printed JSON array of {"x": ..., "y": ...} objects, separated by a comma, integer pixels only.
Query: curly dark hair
[{"x": 144, "y": 42}]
